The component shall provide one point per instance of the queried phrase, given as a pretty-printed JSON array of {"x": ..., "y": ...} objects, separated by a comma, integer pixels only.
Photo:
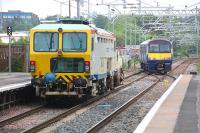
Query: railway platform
[
  {"x": 178, "y": 109},
  {"x": 10, "y": 84},
  {"x": 10, "y": 81}
]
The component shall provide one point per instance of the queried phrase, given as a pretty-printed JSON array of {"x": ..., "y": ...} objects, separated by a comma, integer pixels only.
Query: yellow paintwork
[
  {"x": 159, "y": 56},
  {"x": 42, "y": 59}
]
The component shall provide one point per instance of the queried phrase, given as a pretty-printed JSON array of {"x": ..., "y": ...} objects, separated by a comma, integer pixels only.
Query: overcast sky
[{"x": 45, "y": 8}]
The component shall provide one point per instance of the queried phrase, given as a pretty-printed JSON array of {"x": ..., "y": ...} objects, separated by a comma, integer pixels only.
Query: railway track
[
  {"x": 78, "y": 107},
  {"x": 107, "y": 119},
  {"x": 20, "y": 116},
  {"x": 64, "y": 113},
  {"x": 122, "y": 108}
]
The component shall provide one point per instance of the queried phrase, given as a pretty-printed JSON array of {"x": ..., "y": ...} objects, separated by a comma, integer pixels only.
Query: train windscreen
[
  {"x": 46, "y": 41},
  {"x": 74, "y": 41},
  {"x": 160, "y": 47}
]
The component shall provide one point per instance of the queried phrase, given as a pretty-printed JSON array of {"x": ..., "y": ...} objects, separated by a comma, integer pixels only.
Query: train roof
[
  {"x": 63, "y": 26},
  {"x": 54, "y": 26},
  {"x": 150, "y": 40}
]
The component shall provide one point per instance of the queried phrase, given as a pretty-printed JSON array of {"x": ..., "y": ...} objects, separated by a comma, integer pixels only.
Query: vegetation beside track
[{"x": 198, "y": 66}]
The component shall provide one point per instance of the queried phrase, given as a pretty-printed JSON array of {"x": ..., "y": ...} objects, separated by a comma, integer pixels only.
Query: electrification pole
[
  {"x": 1, "y": 17},
  {"x": 125, "y": 38},
  {"x": 69, "y": 8},
  {"x": 60, "y": 9},
  {"x": 125, "y": 41},
  {"x": 88, "y": 9},
  {"x": 135, "y": 31},
  {"x": 78, "y": 9},
  {"x": 197, "y": 28}
]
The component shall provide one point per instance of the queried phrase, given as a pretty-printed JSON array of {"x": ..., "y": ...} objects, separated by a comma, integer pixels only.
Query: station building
[{"x": 13, "y": 17}]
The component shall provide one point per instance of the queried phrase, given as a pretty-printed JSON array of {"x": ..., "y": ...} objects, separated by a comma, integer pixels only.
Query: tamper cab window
[
  {"x": 46, "y": 41},
  {"x": 74, "y": 41}
]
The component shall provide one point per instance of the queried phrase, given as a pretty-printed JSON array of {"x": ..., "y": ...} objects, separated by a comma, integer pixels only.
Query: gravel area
[
  {"x": 96, "y": 113},
  {"x": 35, "y": 119},
  {"x": 15, "y": 110},
  {"x": 127, "y": 121},
  {"x": 32, "y": 120},
  {"x": 191, "y": 68},
  {"x": 69, "y": 124},
  {"x": 77, "y": 113}
]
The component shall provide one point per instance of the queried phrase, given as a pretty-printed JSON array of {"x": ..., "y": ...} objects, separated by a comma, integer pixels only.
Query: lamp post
[{"x": 113, "y": 21}]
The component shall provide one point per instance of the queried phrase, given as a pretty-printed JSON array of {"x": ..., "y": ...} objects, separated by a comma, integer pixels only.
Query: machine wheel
[
  {"x": 109, "y": 83},
  {"x": 101, "y": 87},
  {"x": 163, "y": 72},
  {"x": 116, "y": 78}
]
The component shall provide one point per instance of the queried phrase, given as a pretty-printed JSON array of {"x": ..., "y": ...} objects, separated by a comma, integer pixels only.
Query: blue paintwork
[
  {"x": 99, "y": 76},
  {"x": 153, "y": 63},
  {"x": 50, "y": 77}
]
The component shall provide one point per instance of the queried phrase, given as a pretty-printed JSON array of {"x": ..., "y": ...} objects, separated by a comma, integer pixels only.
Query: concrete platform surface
[
  {"x": 14, "y": 80},
  {"x": 177, "y": 111}
]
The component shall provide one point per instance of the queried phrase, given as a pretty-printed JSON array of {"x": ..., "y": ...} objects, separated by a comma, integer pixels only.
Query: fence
[{"x": 19, "y": 58}]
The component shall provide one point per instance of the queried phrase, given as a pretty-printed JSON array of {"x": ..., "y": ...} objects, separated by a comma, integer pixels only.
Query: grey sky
[{"x": 44, "y": 8}]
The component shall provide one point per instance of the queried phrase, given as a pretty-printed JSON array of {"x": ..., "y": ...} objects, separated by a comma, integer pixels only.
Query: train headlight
[
  {"x": 167, "y": 58},
  {"x": 32, "y": 66},
  {"x": 87, "y": 66},
  {"x": 152, "y": 58}
]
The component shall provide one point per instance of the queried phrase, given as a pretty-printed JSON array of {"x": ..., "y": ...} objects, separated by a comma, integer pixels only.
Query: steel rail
[
  {"x": 20, "y": 116},
  {"x": 78, "y": 107},
  {"x": 107, "y": 119}
]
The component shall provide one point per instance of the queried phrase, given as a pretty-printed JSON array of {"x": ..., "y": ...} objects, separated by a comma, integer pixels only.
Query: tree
[
  {"x": 22, "y": 26},
  {"x": 21, "y": 41},
  {"x": 101, "y": 21}
]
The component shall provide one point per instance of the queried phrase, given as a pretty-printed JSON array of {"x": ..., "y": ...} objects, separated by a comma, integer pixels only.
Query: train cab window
[
  {"x": 166, "y": 47},
  {"x": 74, "y": 41},
  {"x": 153, "y": 48},
  {"x": 46, "y": 41},
  {"x": 160, "y": 46}
]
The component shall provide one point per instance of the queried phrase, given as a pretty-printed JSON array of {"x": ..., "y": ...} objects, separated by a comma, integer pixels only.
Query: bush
[
  {"x": 198, "y": 67},
  {"x": 17, "y": 65}
]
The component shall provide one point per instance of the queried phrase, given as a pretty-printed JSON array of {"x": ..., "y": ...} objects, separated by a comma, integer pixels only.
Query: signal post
[{"x": 9, "y": 33}]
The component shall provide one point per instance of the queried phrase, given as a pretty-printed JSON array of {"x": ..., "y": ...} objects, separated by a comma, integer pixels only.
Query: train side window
[{"x": 92, "y": 42}]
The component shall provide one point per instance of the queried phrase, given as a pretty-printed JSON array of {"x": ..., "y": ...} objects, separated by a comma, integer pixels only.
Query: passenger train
[
  {"x": 156, "y": 55},
  {"x": 73, "y": 58}
]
